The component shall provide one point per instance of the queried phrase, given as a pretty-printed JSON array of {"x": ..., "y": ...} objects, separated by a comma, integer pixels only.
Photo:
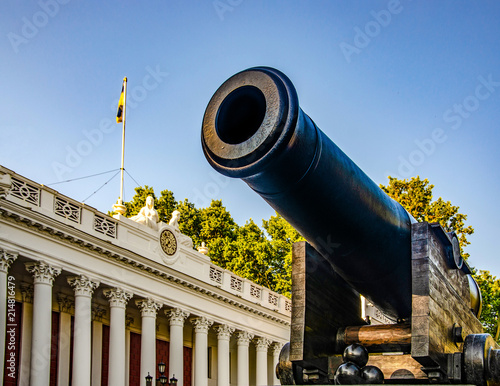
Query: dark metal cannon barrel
[{"x": 254, "y": 129}]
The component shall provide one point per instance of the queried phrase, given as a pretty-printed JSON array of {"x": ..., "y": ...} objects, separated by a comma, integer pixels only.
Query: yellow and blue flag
[{"x": 121, "y": 102}]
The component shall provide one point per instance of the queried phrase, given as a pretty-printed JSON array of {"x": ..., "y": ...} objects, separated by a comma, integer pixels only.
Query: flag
[{"x": 121, "y": 102}]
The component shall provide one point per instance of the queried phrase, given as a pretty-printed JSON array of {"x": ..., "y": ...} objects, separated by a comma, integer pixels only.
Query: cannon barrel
[{"x": 254, "y": 129}]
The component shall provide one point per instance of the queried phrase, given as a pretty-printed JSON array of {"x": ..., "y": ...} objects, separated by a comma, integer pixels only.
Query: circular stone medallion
[{"x": 168, "y": 242}]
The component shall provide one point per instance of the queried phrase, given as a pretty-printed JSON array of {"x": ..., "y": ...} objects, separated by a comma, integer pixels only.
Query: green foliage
[
  {"x": 415, "y": 195},
  {"x": 490, "y": 291},
  {"x": 139, "y": 200},
  {"x": 283, "y": 235},
  {"x": 264, "y": 257}
]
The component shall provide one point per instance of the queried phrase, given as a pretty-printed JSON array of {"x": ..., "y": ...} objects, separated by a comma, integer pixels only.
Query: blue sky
[{"x": 404, "y": 88}]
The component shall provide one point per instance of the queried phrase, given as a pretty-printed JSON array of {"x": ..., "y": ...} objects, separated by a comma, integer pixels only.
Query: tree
[
  {"x": 139, "y": 200},
  {"x": 490, "y": 291},
  {"x": 283, "y": 235},
  {"x": 415, "y": 195},
  {"x": 218, "y": 229}
]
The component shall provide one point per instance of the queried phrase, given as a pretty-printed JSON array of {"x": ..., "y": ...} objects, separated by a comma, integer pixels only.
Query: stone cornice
[{"x": 75, "y": 238}]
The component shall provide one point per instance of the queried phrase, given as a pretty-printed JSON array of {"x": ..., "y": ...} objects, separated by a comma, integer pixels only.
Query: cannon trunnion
[{"x": 359, "y": 242}]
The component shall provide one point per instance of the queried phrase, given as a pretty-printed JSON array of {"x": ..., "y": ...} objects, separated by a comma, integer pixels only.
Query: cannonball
[
  {"x": 357, "y": 354},
  {"x": 372, "y": 375},
  {"x": 347, "y": 374}
]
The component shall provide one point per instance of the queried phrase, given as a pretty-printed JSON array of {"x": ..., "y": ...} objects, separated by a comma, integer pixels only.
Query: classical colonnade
[{"x": 83, "y": 286}]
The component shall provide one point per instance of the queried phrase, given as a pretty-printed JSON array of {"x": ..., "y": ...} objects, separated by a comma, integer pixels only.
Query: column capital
[
  {"x": 201, "y": 324},
  {"x": 176, "y": 316},
  {"x": 148, "y": 307},
  {"x": 27, "y": 292},
  {"x": 6, "y": 260},
  {"x": 83, "y": 285},
  {"x": 98, "y": 312},
  {"x": 223, "y": 331},
  {"x": 65, "y": 303},
  {"x": 118, "y": 297},
  {"x": 244, "y": 338},
  {"x": 42, "y": 272},
  {"x": 276, "y": 347},
  {"x": 261, "y": 343}
]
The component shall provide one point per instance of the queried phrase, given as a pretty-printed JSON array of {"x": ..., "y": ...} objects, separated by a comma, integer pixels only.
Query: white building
[{"x": 87, "y": 299}]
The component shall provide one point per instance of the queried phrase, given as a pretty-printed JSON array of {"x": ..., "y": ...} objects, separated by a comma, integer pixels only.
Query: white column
[
  {"x": 261, "y": 346},
  {"x": 176, "y": 350},
  {"x": 84, "y": 288},
  {"x": 97, "y": 313},
  {"x": 243, "y": 341},
  {"x": 149, "y": 308},
  {"x": 64, "y": 345},
  {"x": 127, "y": 355},
  {"x": 43, "y": 278},
  {"x": 6, "y": 260},
  {"x": 118, "y": 299},
  {"x": 223, "y": 336},
  {"x": 201, "y": 326},
  {"x": 26, "y": 329},
  {"x": 276, "y": 347}
]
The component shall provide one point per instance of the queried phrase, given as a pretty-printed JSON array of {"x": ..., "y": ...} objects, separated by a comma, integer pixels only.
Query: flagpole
[
  {"x": 123, "y": 136},
  {"x": 119, "y": 208}
]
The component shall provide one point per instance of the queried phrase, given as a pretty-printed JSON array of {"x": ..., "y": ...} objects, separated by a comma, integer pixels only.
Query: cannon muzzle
[{"x": 254, "y": 129}]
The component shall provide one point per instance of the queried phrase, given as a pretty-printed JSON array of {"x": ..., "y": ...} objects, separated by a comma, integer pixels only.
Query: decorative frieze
[
  {"x": 6, "y": 260},
  {"x": 176, "y": 316},
  {"x": 117, "y": 297},
  {"x": 105, "y": 226},
  {"x": 201, "y": 324},
  {"x": 288, "y": 306},
  {"x": 148, "y": 307},
  {"x": 82, "y": 285},
  {"x": 42, "y": 272},
  {"x": 67, "y": 209},
  {"x": 223, "y": 331},
  {"x": 25, "y": 191},
  {"x": 243, "y": 338}
]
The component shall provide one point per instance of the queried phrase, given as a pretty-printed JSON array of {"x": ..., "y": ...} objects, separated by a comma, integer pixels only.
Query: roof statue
[
  {"x": 174, "y": 222},
  {"x": 147, "y": 215}
]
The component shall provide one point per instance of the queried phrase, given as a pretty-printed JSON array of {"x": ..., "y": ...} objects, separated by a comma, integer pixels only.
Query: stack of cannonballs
[{"x": 354, "y": 370}]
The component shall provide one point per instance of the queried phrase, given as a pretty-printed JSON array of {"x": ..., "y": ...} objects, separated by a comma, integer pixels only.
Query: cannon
[{"x": 360, "y": 242}]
